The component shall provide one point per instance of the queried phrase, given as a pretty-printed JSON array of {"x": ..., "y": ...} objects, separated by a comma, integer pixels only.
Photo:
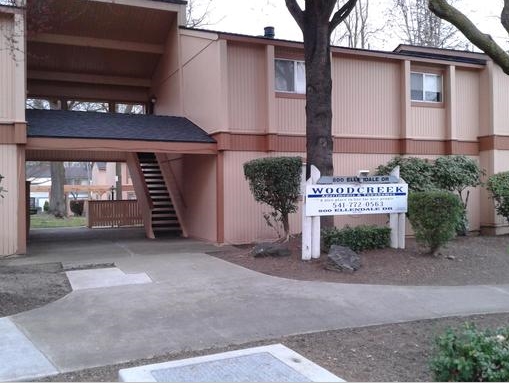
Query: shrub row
[{"x": 359, "y": 238}]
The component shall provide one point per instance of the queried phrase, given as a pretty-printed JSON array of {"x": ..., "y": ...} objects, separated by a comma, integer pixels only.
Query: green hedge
[
  {"x": 471, "y": 355},
  {"x": 357, "y": 238},
  {"x": 498, "y": 186},
  {"x": 434, "y": 216}
]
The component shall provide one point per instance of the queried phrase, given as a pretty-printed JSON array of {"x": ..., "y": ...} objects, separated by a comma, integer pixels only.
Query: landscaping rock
[
  {"x": 269, "y": 249},
  {"x": 342, "y": 258}
]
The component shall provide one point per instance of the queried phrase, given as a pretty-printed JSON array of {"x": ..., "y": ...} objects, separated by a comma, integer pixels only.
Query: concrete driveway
[{"x": 196, "y": 301}]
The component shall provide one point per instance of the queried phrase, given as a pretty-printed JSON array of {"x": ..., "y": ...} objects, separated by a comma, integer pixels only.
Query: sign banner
[{"x": 353, "y": 199}]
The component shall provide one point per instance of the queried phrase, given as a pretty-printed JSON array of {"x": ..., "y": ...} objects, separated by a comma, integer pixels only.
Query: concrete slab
[
  {"x": 19, "y": 358},
  {"x": 273, "y": 363},
  {"x": 107, "y": 277},
  {"x": 200, "y": 301}
]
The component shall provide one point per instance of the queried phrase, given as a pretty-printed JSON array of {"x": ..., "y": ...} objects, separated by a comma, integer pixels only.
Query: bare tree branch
[
  {"x": 504, "y": 16},
  {"x": 483, "y": 41},
  {"x": 341, "y": 14},
  {"x": 296, "y": 12}
]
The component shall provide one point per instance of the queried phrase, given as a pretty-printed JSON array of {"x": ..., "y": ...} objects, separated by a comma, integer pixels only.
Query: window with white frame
[
  {"x": 426, "y": 87},
  {"x": 290, "y": 76}
]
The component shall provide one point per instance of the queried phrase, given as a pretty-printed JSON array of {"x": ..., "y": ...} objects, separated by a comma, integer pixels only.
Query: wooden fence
[{"x": 115, "y": 213}]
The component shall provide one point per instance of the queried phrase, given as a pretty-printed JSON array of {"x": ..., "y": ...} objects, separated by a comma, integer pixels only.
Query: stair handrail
[
  {"x": 142, "y": 192},
  {"x": 176, "y": 195}
]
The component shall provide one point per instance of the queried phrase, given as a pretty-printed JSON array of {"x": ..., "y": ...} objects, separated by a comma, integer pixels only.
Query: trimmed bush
[
  {"x": 416, "y": 172},
  {"x": 498, "y": 186},
  {"x": 358, "y": 238},
  {"x": 77, "y": 207},
  {"x": 434, "y": 216},
  {"x": 456, "y": 174},
  {"x": 46, "y": 206},
  {"x": 472, "y": 355},
  {"x": 276, "y": 182}
]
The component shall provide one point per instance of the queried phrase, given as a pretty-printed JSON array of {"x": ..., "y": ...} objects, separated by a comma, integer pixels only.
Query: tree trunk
[
  {"x": 57, "y": 197},
  {"x": 57, "y": 205},
  {"x": 286, "y": 226},
  {"x": 319, "y": 143}
]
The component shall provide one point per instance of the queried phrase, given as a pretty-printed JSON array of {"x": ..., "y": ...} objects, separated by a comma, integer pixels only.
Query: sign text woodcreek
[{"x": 355, "y": 198}]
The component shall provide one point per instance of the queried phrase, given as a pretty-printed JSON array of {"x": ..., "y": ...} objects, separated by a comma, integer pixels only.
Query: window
[
  {"x": 426, "y": 87},
  {"x": 290, "y": 76}
]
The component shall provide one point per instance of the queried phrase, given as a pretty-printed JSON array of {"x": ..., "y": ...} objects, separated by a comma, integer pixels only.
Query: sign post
[{"x": 310, "y": 224}]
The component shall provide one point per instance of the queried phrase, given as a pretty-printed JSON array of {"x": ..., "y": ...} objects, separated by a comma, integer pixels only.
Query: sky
[{"x": 251, "y": 16}]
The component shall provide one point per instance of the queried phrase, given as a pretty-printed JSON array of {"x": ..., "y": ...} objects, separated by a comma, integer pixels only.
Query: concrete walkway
[{"x": 196, "y": 301}]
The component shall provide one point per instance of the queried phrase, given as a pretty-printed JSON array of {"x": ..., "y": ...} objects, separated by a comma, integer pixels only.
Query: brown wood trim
[
  {"x": 13, "y": 133},
  {"x": 220, "y": 197},
  {"x": 34, "y": 143},
  {"x": 299, "y": 96},
  {"x": 494, "y": 142},
  {"x": 297, "y": 144}
]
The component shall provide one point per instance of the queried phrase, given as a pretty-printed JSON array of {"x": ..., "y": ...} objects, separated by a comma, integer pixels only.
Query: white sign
[{"x": 348, "y": 199}]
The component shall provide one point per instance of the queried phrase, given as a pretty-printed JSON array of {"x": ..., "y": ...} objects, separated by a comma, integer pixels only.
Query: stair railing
[{"x": 142, "y": 193}]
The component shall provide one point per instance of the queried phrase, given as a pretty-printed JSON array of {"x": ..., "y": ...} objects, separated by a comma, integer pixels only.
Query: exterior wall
[
  {"x": 200, "y": 196},
  {"x": 7, "y": 66},
  {"x": 427, "y": 123},
  {"x": 366, "y": 98},
  {"x": 12, "y": 134},
  {"x": 370, "y": 117},
  {"x": 468, "y": 113},
  {"x": 501, "y": 100},
  {"x": 166, "y": 82},
  {"x": 204, "y": 74},
  {"x": 246, "y": 93},
  {"x": 9, "y": 215}
]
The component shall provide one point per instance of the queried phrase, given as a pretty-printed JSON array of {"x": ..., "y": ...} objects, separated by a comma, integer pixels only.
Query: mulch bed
[
  {"x": 27, "y": 287},
  {"x": 464, "y": 261}
]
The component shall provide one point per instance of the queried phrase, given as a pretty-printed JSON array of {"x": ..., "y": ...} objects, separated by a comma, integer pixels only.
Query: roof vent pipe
[{"x": 269, "y": 32}]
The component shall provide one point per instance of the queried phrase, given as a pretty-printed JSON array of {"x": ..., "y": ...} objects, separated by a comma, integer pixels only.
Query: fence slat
[{"x": 116, "y": 213}]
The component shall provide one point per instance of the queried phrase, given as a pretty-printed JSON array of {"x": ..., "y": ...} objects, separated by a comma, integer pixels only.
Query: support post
[
  {"x": 394, "y": 219},
  {"x": 306, "y": 221},
  {"x": 310, "y": 225},
  {"x": 315, "y": 221},
  {"x": 397, "y": 221}
]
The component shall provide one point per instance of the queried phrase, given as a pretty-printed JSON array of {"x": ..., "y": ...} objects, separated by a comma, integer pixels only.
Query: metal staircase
[{"x": 164, "y": 217}]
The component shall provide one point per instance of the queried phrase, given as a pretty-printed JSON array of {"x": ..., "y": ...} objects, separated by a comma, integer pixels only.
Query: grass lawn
[{"x": 38, "y": 221}]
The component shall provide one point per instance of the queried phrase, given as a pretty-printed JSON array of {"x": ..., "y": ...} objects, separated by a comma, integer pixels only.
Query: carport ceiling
[{"x": 96, "y": 42}]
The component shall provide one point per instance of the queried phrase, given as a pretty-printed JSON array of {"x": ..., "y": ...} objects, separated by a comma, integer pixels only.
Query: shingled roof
[{"x": 116, "y": 126}]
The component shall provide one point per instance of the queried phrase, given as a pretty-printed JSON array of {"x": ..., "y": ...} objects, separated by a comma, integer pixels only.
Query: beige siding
[
  {"x": 291, "y": 115},
  {"x": 203, "y": 88},
  {"x": 247, "y": 87},
  {"x": 243, "y": 217},
  {"x": 166, "y": 80},
  {"x": 7, "y": 66},
  {"x": 467, "y": 108},
  {"x": 366, "y": 98},
  {"x": 501, "y": 101},
  {"x": 200, "y": 196},
  {"x": 428, "y": 123},
  {"x": 9, "y": 204}
]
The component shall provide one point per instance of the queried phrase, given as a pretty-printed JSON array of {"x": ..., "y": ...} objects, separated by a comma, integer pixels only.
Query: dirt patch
[
  {"x": 27, "y": 287},
  {"x": 396, "y": 352},
  {"x": 464, "y": 261}
]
